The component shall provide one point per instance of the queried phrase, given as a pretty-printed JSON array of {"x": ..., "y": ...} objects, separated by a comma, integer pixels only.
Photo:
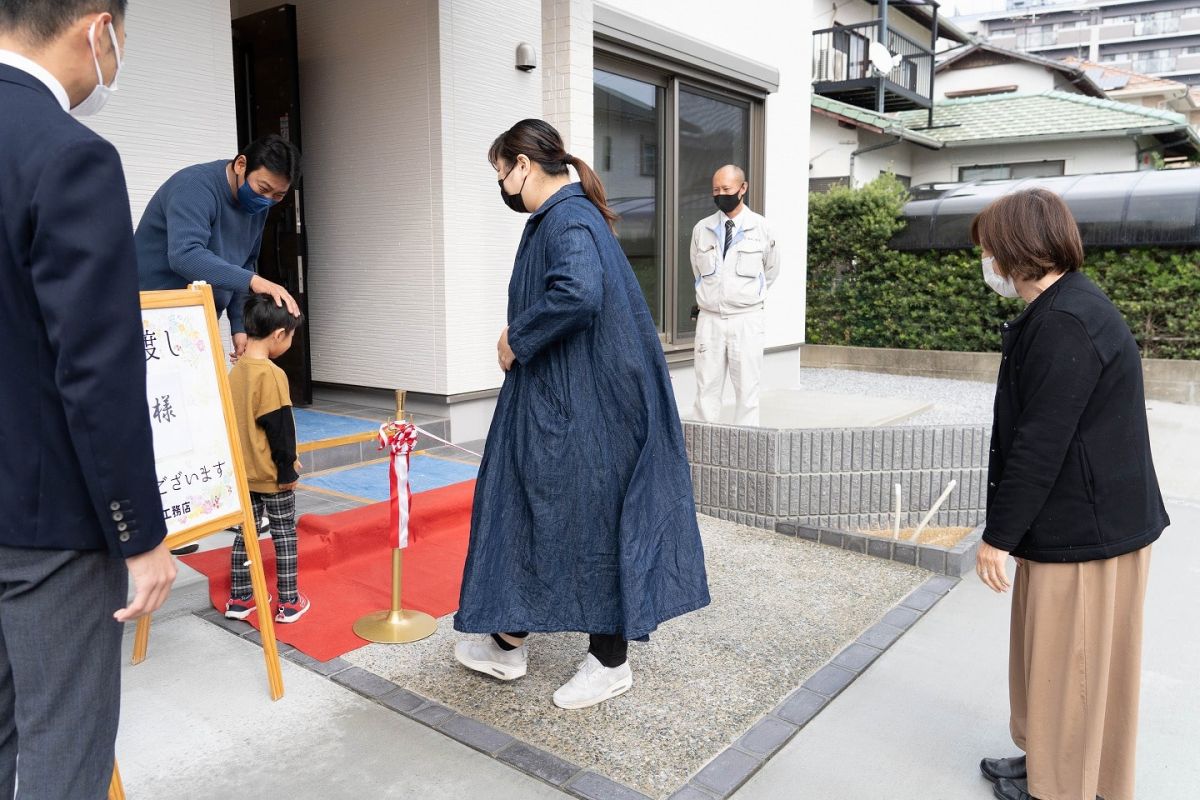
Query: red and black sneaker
[
  {"x": 290, "y": 612},
  {"x": 241, "y": 607}
]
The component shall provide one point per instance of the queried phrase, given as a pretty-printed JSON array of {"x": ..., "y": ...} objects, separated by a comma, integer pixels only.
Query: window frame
[
  {"x": 1009, "y": 166},
  {"x": 610, "y": 55}
]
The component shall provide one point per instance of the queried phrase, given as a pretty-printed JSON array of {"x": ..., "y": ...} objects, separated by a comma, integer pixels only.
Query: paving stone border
[
  {"x": 716, "y": 780},
  {"x": 837, "y": 478},
  {"x": 954, "y": 561}
]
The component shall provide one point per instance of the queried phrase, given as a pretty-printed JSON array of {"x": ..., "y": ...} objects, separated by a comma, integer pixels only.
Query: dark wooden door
[{"x": 267, "y": 88}]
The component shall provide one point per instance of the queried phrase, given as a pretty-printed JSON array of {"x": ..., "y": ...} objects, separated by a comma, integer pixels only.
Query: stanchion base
[{"x": 395, "y": 627}]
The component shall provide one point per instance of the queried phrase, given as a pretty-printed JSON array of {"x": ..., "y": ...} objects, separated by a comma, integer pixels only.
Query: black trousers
[
  {"x": 610, "y": 649},
  {"x": 60, "y": 671}
]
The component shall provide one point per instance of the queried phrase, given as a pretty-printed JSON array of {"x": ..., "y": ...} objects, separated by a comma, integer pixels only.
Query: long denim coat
[{"x": 584, "y": 518}]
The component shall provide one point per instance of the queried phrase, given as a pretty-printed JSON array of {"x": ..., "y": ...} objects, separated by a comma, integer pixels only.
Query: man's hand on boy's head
[
  {"x": 260, "y": 285},
  {"x": 287, "y": 487}
]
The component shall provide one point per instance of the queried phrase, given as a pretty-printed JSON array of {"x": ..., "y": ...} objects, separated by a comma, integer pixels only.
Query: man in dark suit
[{"x": 79, "y": 506}]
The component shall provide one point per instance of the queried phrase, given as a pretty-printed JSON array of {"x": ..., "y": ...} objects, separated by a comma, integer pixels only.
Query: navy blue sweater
[{"x": 194, "y": 230}]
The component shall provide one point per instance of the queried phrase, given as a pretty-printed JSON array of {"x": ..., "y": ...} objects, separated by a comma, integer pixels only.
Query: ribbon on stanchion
[{"x": 399, "y": 439}]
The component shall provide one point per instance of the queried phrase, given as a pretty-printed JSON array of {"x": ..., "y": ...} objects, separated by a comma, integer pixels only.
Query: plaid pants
[{"x": 281, "y": 511}]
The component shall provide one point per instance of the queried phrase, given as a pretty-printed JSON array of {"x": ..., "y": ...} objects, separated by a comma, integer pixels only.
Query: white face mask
[
  {"x": 99, "y": 96},
  {"x": 1001, "y": 286}
]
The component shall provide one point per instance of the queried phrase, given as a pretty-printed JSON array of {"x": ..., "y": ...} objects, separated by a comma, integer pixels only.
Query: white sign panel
[{"x": 196, "y": 478}]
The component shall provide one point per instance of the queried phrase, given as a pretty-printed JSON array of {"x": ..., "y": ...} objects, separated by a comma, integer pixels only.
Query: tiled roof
[
  {"x": 1045, "y": 114},
  {"x": 886, "y": 122}
]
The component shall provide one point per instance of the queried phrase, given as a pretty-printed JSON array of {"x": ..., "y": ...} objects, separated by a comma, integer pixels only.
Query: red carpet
[{"x": 345, "y": 567}]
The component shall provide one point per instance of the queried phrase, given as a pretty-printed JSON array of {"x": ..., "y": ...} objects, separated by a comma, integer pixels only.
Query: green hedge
[{"x": 862, "y": 293}]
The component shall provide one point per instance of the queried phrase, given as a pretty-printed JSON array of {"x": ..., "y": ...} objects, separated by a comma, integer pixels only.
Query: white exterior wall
[
  {"x": 567, "y": 56},
  {"x": 175, "y": 104},
  {"x": 1082, "y": 157},
  {"x": 371, "y": 127},
  {"x": 776, "y": 34},
  {"x": 482, "y": 93},
  {"x": 1026, "y": 77},
  {"x": 832, "y": 146},
  {"x": 895, "y": 158}
]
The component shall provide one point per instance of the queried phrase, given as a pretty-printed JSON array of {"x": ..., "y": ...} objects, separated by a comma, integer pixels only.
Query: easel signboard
[{"x": 201, "y": 474}]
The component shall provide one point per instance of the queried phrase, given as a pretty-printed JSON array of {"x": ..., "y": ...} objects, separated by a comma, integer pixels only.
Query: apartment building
[{"x": 1154, "y": 37}]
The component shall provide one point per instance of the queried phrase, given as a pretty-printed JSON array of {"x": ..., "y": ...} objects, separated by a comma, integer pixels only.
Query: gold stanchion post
[{"x": 395, "y": 625}]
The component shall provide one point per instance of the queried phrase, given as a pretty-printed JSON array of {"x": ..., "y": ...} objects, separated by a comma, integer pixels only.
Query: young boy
[{"x": 262, "y": 405}]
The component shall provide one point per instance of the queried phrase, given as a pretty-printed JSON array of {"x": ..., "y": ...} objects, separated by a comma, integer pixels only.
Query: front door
[{"x": 267, "y": 88}]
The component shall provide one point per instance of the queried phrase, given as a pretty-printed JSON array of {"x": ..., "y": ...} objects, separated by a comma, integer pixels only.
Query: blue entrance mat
[
  {"x": 370, "y": 481},
  {"x": 312, "y": 426}
]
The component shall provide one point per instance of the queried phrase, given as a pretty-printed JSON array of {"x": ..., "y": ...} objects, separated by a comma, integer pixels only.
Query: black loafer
[
  {"x": 996, "y": 768},
  {"x": 1006, "y": 789}
]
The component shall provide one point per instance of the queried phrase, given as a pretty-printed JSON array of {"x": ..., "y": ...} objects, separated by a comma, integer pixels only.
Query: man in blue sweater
[{"x": 206, "y": 224}]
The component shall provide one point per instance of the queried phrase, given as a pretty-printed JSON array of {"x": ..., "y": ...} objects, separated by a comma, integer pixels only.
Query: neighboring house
[
  {"x": 1000, "y": 114},
  {"x": 408, "y": 246},
  {"x": 1143, "y": 90},
  {"x": 1154, "y": 37},
  {"x": 853, "y": 45},
  {"x": 980, "y": 68},
  {"x": 855, "y": 42},
  {"x": 1046, "y": 134}
]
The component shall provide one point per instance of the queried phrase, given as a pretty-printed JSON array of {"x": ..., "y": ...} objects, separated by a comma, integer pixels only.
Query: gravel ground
[
  {"x": 781, "y": 608},
  {"x": 956, "y": 402}
]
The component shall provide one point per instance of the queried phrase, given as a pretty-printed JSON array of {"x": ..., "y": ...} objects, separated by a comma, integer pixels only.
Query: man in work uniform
[{"x": 735, "y": 262}]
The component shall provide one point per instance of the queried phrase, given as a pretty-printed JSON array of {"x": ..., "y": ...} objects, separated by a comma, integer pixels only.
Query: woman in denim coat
[{"x": 584, "y": 518}]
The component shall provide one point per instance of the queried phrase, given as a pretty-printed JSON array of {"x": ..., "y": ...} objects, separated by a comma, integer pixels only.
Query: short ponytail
[
  {"x": 538, "y": 141},
  {"x": 593, "y": 187}
]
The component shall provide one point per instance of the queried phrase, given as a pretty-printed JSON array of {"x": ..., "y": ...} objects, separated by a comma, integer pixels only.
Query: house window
[
  {"x": 649, "y": 158},
  {"x": 671, "y": 129},
  {"x": 818, "y": 185},
  {"x": 1028, "y": 169}
]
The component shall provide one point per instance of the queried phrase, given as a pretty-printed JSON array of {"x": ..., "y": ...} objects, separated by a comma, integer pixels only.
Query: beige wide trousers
[{"x": 1075, "y": 661}]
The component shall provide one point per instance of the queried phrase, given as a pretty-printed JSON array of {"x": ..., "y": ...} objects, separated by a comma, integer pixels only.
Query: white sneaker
[
  {"x": 487, "y": 657},
  {"x": 594, "y": 683}
]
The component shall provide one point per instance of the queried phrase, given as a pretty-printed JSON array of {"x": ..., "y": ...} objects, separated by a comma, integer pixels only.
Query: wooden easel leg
[
  {"x": 141, "y": 639},
  {"x": 115, "y": 790},
  {"x": 266, "y": 621}
]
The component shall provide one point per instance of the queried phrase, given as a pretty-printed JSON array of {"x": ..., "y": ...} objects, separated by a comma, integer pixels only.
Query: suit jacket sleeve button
[
  {"x": 124, "y": 537},
  {"x": 114, "y": 506},
  {"x": 118, "y": 516}
]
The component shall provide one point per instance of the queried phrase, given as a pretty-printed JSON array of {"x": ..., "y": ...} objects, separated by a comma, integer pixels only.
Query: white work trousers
[{"x": 733, "y": 343}]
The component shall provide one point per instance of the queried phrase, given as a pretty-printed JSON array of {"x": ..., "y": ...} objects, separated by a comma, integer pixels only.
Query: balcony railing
[
  {"x": 1150, "y": 66},
  {"x": 1153, "y": 27},
  {"x": 842, "y": 68}
]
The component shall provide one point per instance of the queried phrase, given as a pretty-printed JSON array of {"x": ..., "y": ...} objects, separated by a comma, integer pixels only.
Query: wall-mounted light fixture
[{"x": 526, "y": 57}]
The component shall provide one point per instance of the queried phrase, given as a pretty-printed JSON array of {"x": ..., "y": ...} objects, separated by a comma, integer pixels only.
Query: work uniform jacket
[{"x": 735, "y": 282}]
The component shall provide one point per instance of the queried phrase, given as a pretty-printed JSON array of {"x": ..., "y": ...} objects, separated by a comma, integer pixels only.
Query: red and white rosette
[{"x": 399, "y": 439}]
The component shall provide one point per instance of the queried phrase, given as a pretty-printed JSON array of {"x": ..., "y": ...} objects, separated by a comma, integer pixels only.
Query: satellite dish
[{"x": 881, "y": 59}]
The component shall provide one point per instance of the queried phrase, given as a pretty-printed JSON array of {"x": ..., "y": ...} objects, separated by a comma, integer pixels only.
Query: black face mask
[
  {"x": 513, "y": 201},
  {"x": 727, "y": 202}
]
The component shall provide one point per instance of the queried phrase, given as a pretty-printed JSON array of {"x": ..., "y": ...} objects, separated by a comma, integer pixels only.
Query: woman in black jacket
[{"x": 1072, "y": 495}]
